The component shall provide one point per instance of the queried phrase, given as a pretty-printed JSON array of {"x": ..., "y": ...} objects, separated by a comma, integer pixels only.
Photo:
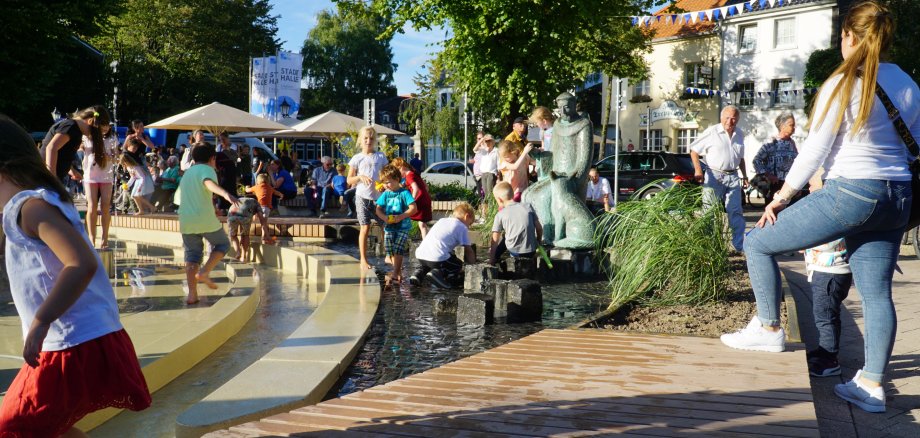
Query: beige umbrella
[
  {"x": 217, "y": 118},
  {"x": 330, "y": 124}
]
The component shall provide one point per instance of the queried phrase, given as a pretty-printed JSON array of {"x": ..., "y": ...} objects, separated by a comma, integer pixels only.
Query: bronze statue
[{"x": 560, "y": 200}]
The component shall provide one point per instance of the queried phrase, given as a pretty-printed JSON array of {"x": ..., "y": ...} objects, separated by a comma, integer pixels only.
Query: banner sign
[
  {"x": 723, "y": 93},
  {"x": 714, "y": 14},
  {"x": 275, "y": 89}
]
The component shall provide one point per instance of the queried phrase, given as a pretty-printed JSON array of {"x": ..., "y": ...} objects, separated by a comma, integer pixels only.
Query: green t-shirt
[
  {"x": 171, "y": 173},
  {"x": 196, "y": 207}
]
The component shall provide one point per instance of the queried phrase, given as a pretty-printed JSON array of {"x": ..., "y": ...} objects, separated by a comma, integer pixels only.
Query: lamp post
[{"x": 114, "y": 65}]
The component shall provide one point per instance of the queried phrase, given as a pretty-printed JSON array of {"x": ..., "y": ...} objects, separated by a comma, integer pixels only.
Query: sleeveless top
[{"x": 33, "y": 269}]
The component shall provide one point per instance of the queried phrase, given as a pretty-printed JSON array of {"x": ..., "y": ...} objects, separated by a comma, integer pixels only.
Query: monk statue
[{"x": 560, "y": 199}]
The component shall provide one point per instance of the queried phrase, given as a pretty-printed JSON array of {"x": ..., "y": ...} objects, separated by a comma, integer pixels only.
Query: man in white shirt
[
  {"x": 722, "y": 146},
  {"x": 488, "y": 166},
  {"x": 599, "y": 196}
]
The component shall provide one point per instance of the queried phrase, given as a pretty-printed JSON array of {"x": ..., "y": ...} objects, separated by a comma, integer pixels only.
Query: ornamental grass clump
[{"x": 665, "y": 250}]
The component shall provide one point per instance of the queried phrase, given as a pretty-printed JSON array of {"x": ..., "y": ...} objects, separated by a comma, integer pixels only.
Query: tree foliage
[
  {"x": 515, "y": 54},
  {"x": 177, "y": 54},
  {"x": 39, "y": 54},
  {"x": 345, "y": 62}
]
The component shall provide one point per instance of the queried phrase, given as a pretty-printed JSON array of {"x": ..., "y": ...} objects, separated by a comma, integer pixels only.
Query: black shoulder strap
[{"x": 895, "y": 116}]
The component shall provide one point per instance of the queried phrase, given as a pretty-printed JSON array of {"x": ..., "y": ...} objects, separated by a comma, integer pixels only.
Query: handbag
[{"x": 895, "y": 116}]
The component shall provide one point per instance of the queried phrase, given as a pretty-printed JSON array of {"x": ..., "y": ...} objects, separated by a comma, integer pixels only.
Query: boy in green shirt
[{"x": 198, "y": 221}]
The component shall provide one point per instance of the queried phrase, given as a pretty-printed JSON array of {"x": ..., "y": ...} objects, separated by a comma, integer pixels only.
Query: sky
[{"x": 410, "y": 49}]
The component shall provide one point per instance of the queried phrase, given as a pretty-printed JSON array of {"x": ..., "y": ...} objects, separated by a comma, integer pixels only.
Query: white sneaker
[
  {"x": 755, "y": 337},
  {"x": 867, "y": 399}
]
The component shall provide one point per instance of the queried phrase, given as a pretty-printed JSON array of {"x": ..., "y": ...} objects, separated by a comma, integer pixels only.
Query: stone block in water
[
  {"x": 497, "y": 289},
  {"x": 525, "y": 300},
  {"x": 475, "y": 309},
  {"x": 521, "y": 267},
  {"x": 443, "y": 304},
  {"x": 477, "y": 275}
]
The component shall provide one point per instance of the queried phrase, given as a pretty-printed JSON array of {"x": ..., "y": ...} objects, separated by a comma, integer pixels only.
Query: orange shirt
[{"x": 263, "y": 193}]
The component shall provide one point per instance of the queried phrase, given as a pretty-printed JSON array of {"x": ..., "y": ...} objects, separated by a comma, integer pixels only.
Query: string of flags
[
  {"x": 723, "y": 93},
  {"x": 713, "y": 14}
]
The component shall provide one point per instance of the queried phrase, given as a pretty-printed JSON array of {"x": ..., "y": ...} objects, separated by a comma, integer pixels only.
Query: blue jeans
[
  {"x": 828, "y": 292},
  {"x": 726, "y": 189},
  {"x": 871, "y": 215},
  {"x": 325, "y": 197}
]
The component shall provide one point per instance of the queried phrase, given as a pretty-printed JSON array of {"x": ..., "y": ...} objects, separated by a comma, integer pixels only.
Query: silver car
[{"x": 447, "y": 172}]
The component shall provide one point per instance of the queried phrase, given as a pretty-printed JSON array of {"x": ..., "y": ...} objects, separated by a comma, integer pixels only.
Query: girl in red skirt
[
  {"x": 419, "y": 190},
  {"x": 78, "y": 357}
]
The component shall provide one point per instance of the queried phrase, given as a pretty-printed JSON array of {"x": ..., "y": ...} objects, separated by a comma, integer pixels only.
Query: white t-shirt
[
  {"x": 489, "y": 162},
  {"x": 720, "y": 151},
  {"x": 368, "y": 165},
  {"x": 876, "y": 151},
  {"x": 444, "y": 236},
  {"x": 599, "y": 190},
  {"x": 37, "y": 268}
]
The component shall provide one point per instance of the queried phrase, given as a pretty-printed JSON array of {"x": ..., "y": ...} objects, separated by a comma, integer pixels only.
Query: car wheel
[{"x": 650, "y": 193}]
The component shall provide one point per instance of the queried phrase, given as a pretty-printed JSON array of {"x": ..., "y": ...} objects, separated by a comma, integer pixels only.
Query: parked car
[
  {"x": 643, "y": 174},
  {"x": 447, "y": 172}
]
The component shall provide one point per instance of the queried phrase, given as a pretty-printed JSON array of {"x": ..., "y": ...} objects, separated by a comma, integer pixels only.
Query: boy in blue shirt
[
  {"x": 340, "y": 185},
  {"x": 395, "y": 206}
]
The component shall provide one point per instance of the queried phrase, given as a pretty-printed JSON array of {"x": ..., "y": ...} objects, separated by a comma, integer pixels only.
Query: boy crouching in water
[
  {"x": 435, "y": 254},
  {"x": 518, "y": 221},
  {"x": 395, "y": 206}
]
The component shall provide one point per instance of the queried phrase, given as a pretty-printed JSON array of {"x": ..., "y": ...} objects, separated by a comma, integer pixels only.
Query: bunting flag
[
  {"x": 723, "y": 93},
  {"x": 714, "y": 14}
]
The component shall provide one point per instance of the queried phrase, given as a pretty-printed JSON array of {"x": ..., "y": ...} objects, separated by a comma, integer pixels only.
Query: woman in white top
[
  {"x": 98, "y": 168},
  {"x": 866, "y": 198}
]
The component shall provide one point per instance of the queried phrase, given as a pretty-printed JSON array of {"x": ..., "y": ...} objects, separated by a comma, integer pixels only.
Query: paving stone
[
  {"x": 477, "y": 275},
  {"x": 444, "y": 304},
  {"x": 525, "y": 300},
  {"x": 475, "y": 309}
]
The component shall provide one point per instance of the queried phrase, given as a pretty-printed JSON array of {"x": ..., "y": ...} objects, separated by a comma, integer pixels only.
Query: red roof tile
[{"x": 665, "y": 29}]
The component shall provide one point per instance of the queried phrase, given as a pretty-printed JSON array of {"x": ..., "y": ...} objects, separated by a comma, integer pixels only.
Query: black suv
[{"x": 638, "y": 169}]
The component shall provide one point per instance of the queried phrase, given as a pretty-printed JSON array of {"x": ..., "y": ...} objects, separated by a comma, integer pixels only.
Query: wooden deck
[{"x": 575, "y": 383}]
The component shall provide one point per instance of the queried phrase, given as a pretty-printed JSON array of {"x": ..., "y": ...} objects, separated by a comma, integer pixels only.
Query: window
[
  {"x": 747, "y": 39},
  {"x": 641, "y": 88},
  {"x": 784, "y": 33},
  {"x": 684, "y": 138},
  {"x": 782, "y": 92},
  {"x": 655, "y": 143},
  {"x": 746, "y": 94},
  {"x": 695, "y": 75}
]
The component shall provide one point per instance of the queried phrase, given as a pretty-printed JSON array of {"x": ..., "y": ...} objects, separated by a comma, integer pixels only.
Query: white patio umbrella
[
  {"x": 330, "y": 124},
  {"x": 217, "y": 118}
]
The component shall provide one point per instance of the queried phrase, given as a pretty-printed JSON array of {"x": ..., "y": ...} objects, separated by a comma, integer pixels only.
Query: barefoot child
[
  {"x": 78, "y": 357},
  {"x": 513, "y": 166},
  {"x": 198, "y": 221},
  {"x": 239, "y": 220},
  {"x": 518, "y": 222},
  {"x": 419, "y": 190},
  {"x": 435, "y": 254},
  {"x": 363, "y": 171},
  {"x": 395, "y": 206}
]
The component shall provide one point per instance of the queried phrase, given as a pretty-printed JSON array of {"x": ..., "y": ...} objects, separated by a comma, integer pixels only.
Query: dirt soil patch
[{"x": 711, "y": 319}]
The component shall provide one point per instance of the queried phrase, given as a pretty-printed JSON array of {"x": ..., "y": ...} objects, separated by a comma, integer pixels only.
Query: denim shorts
[{"x": 194, "y": 246}]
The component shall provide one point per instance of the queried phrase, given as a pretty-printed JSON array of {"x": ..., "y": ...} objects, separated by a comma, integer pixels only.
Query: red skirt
[{"x": 69, "y": 384}]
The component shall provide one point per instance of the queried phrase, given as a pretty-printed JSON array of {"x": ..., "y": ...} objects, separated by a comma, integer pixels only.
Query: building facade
[{"x": 658, "y": 114}]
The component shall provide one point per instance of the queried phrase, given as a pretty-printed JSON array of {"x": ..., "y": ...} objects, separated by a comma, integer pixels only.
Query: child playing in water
[
  {"x": 419, "y": 190},
  {"x": 395, "y": 206},
  {"x": 363, "y": 171},
  {"x": 78, "y": 356},
  {"x": 514, "y": 165},
  {"x": 141, "y": 184},
  {"x": 264, "y": 190},
  {"x": 239, "y": 220}
]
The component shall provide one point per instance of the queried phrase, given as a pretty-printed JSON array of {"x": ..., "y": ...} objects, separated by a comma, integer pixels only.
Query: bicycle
[{"x": 911, "y": 238}]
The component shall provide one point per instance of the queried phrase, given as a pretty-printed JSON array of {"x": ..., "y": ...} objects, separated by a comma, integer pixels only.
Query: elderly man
[
  {"x": 722, "y": 146},
  {"x": 322, "y": 187},
  {"x": 599, "y": 197},
  {"x": 518, "y": 131}
]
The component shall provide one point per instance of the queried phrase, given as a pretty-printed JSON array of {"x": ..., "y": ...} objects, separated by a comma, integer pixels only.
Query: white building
[{"x": 764, "y": 52}]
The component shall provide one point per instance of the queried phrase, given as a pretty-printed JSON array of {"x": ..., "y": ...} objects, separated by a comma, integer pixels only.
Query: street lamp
[
  {"x": 55, "y": 115},
  {"x": 285, "y": 108},
  {"x": 114, "y": 66}
]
